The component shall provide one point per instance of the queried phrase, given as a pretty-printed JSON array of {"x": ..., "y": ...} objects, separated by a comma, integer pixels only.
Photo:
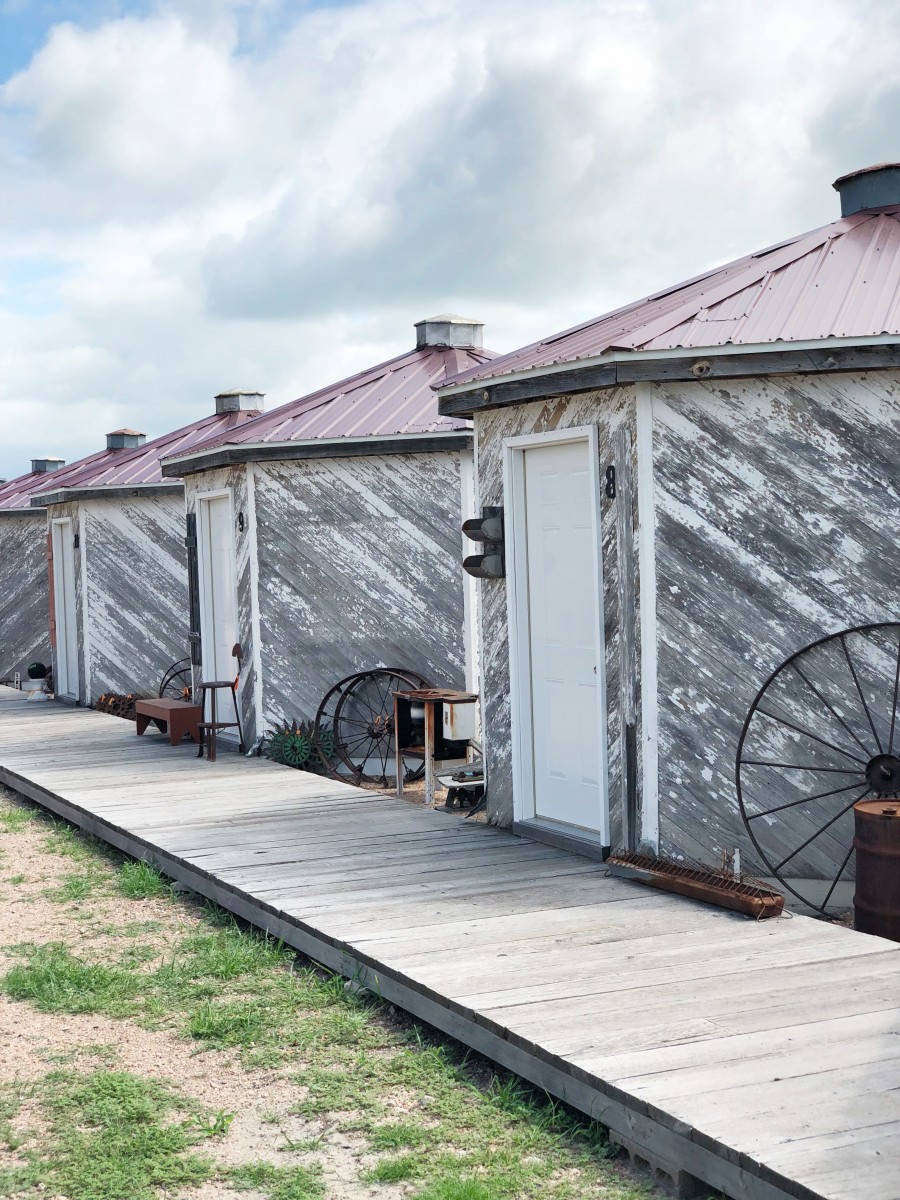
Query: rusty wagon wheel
[
  {"x": 821, "y": 734},
  {"x": 177, "y": 683},
  {"x": 359, "y": 712}
]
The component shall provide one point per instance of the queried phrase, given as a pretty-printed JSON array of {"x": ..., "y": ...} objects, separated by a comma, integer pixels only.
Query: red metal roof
[
  {"x": 120, "y": 468},
  {"x": 394, "y": 397},
  {"x": 842, "y": 280}
]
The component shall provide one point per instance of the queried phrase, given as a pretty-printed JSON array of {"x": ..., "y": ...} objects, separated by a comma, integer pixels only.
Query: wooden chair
[{"x": 209, "y": 729}]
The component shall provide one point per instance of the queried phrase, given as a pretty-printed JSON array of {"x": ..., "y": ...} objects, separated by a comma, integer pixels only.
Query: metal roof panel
[
  {"x": 841, "y": 280},
  {"x": 122, "y": 468},
  {"x": 390, "y": 398}
]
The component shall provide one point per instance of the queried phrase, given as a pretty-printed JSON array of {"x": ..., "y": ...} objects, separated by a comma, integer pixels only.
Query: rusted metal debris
[
  {"x": 876, "y": 902},
  {"x": 118, "y": 705},
  {"x": 713, "y": 887}
]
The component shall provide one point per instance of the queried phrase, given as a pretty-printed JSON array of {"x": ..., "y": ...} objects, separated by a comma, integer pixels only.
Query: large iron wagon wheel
[
  {"x": 359, "y": 712},
  {"x": 177, "y": 682},
  {"x": 821, "y": 734}
]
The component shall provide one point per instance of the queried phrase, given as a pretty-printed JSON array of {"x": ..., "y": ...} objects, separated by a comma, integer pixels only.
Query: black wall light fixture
[{"x": 487, "y": 529}]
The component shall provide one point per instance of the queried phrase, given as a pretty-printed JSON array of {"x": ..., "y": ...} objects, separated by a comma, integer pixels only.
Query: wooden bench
[{"x": 178, "y": 716}]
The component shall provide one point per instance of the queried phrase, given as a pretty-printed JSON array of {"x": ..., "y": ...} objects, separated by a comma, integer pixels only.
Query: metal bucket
[{"x": 876, "y": 903}]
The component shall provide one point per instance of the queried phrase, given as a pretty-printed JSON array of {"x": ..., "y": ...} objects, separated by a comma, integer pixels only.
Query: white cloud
[{"x": 269, "y": 194}]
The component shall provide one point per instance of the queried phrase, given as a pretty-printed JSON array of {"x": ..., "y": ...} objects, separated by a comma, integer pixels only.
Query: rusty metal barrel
[{"x": 876, "y": 903}]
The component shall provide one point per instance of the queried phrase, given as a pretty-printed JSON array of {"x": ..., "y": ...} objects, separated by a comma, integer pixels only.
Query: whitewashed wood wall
[
  {"x": 359, "y": 566},
  {"x": 136, "y": 613},
  {"x": 24, "y": 596},
  {"x": 343, "y": 564},
  {"x": 777, "y": 507}
]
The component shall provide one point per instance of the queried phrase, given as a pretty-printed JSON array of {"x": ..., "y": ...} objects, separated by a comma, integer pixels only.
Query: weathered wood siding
[
  {"x": 777, "y": 515},
  {"x": 24, "y": 595},
  {"x": 136, "y": 614},
  {"x": 359, "y": 566},
  {"x": 610, "y": 411}
]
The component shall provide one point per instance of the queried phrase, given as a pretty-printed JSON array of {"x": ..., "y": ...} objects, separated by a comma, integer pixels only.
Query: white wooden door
[
  {"x": 218, "y": 609},
  {"x": 64, "y": 609},
  {"x": 564, "y": 630}
]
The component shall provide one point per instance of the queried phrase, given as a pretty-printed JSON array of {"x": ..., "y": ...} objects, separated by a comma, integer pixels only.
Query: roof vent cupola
[
  {"x": 240, "y": 400},
  {"x": 450, "y": 330},
  {"x": 125, "y": 439},
  {"x": 870, "y": 187},
  {"x": 42, "y": 466}
]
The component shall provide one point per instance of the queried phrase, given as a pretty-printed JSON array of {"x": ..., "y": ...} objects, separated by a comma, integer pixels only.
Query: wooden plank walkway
[{"x": 762, "y": 1059}]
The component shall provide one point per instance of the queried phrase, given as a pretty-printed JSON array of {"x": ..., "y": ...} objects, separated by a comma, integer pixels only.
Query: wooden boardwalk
[{"x": 762, "y": 1059}]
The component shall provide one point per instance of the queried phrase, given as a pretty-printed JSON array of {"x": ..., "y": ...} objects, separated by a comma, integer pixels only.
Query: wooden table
[{"x": 178, "y": 716}]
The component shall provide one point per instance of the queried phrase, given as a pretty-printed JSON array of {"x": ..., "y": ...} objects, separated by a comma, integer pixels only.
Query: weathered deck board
[{"x": 762, "y": 1058}]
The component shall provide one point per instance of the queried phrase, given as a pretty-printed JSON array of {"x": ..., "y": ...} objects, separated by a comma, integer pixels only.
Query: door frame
[
  {"x": 63, "y": 567},
  {"x": 203, "y": 573},
  {"x": 520, "y": 690}
]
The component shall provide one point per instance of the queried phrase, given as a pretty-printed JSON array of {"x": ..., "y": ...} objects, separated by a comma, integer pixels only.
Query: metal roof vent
[
  {"x": 240, "y": 400},
  {"x": 125, "y": 439},
  {"x": 450, "y": 330},
  {"x": 870, "y": 187},
  {"x": 42, "y": 466}
]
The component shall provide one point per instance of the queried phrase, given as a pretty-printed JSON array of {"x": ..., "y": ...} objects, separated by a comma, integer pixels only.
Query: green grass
[
  {"x": 110, "y": 1135},
  {"x": 15, "y": 880},
  {"x": 79, "y": 885},
  {"x": 14, "y": 819},
  {"x": 394, "y": 1170},
  {"x": 461, "y": 1189},
  {"x": 69, "y": 842},
  {"x": 279, "y": 1183},
  {"x": 54, "y": 980},
  {"x": 396, "y": 1137},
  {"x": 140, "y": 881},
  {"x": 238, "y": 1023},
  {"x": 132, "y": 929}
]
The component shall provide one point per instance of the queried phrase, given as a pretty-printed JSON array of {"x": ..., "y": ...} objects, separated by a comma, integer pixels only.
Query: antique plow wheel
[
  {"x": 177, "y": 682},
  {"x": 821, "y": 734},
  {"x": 359, "y": 711}
]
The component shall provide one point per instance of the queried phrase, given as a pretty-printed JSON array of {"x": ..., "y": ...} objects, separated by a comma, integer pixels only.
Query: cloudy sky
[{"x": 268, "y": 193}]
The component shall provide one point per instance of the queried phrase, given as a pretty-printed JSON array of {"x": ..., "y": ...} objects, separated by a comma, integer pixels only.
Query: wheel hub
[{"x": 883, "y": 774}]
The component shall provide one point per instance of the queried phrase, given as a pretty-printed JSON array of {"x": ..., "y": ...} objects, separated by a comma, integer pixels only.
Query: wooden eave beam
[
  {"x": 229, "y": 456},
  {"x": 71, "y": 495},
  {"x": 21, "y": 512},
  {"x": 684, "y": 368}
]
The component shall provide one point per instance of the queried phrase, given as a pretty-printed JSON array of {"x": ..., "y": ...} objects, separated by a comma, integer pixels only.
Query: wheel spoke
[
  {"x": 836, "y": 716},
  {"x": 894, "y": 708},
  {"x": 851, "y": 787},
  {"x": 806, "y": 733},
  {"x": 819, "y": 832},
  {"x": 353, "y": 745},
  {"x": 759, "y": 762},
  {"x": 837, "y": 877},
  {"x": 860, "y": 694}
]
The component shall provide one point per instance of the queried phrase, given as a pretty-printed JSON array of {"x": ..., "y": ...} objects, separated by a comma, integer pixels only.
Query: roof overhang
[
  {"x": 112, "y": 492},
  {"x": 618, "y": 367},
  {"x": 22, "y": 512},
  {"x": 341, "y": 447}
]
